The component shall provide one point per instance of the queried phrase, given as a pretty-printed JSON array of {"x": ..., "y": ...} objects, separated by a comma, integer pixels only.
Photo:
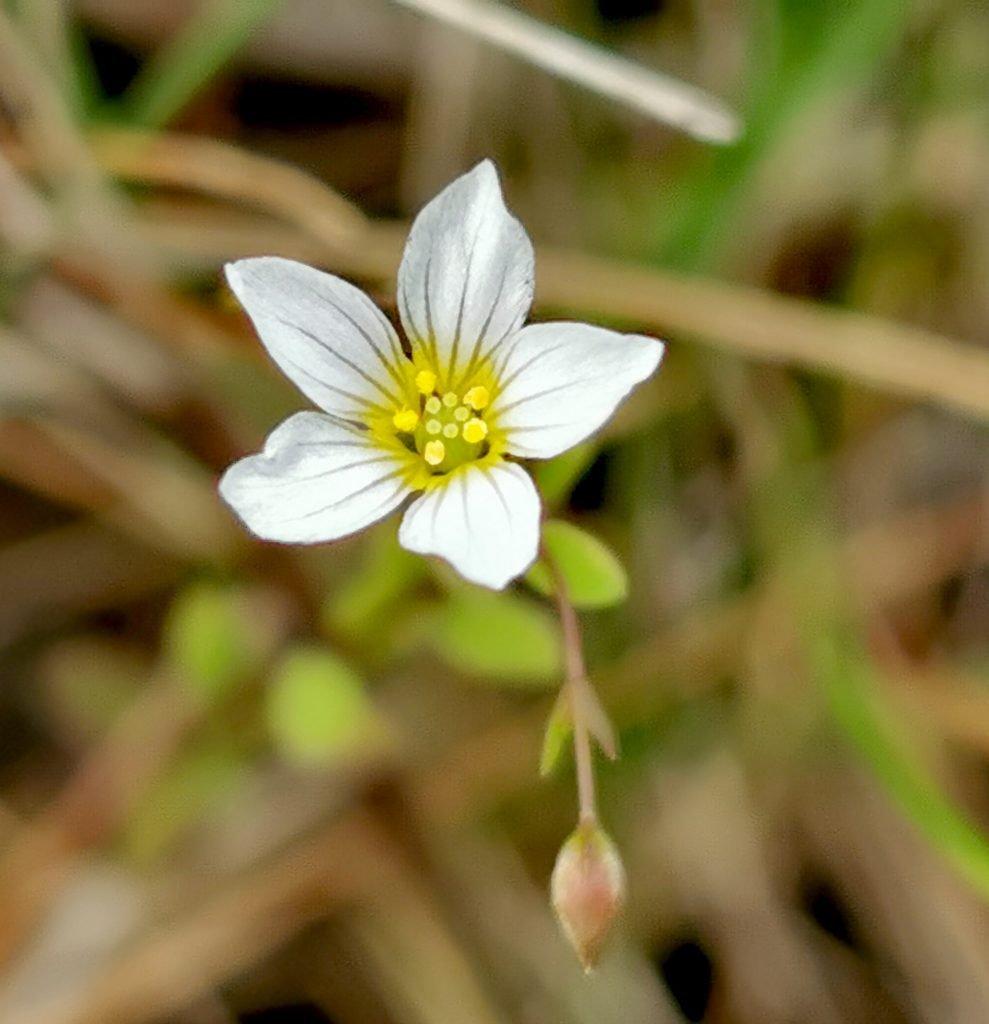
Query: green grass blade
[
  {"x": 813, "y": 52},
  {"x": 858, "y": 707},
  {"x": 204, "y": 45}
]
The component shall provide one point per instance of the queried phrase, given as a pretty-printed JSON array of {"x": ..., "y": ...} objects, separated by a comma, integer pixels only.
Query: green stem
[{"x": 576, "y": 683}]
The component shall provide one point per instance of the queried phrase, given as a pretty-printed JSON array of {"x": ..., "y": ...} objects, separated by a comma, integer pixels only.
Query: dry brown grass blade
[
  {"x": 77, "y": 568},
  {"x": 757, "y": 324},
  {"x": 423, "y": 971},
  {"x": 26, "y": 223},
  {"x": 216, "y": 168},
  {"x": 147, "y": 487},
  {"x": 102, "y": 791},
  {"x": 709, "y": 830},
  {"x": 159, "y": 491},
  {"x": 139, "y": 299},
  {"x": 74, "y": 332},
  {"x": 59, "y": 153},
  {"x": 910, "y": 362},
  {"x": 908, "y": 902},
  {"x": 190, "y": 956},
  {"x": 46, "y": 127}
]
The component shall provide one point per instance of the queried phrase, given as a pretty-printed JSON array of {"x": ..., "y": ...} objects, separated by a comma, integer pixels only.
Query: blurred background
[{"x": 243, "y": 783}]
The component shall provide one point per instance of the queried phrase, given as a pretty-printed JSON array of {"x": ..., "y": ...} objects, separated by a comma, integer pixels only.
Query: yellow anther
[
  {"x": 475, "y": 431},
  {"x": 451, "y": 430},
  {"x": 478, "y": 397},
  {"x": 450, "y": 399},
  {"x": 425, "y": 381},
  {"x": 433, "y": 405},
  {"x": 405, "y": 420},
  {"x": 462, "y": 415},
  {"x": 433, "y": 427},
  {"x": 435, "y": 452}
]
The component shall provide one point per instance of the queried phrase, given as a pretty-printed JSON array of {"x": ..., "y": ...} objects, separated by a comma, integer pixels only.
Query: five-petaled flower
[{"x": 479, "y": 390}]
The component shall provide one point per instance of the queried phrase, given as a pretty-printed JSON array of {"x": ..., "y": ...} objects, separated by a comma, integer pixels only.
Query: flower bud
[{"x": 587, "y": 890}]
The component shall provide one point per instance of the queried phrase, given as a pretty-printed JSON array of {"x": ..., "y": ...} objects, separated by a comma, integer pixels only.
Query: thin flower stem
[{"x": 577, "y": 685}]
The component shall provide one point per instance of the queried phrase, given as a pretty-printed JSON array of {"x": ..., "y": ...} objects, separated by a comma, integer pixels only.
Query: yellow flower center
[{"x": 448, "y": 429}]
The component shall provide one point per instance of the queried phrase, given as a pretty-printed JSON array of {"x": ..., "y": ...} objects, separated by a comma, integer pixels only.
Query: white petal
[
  {"x": 327, "y": 336},
  {"x": 465, "y": 283},
  {"x": 559, "y": 382},
  {"x": 484, "y": 520},
  {"x": 317, "y": 480}
]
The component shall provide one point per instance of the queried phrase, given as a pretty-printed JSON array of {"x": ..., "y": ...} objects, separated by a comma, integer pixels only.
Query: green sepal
[{"x": 559, "y": 729}]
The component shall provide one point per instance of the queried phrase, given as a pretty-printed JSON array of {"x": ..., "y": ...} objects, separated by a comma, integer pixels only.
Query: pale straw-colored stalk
[{"x": 650, "y": 92}]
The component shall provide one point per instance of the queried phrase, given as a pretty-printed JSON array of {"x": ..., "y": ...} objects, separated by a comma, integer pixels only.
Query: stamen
[
  {"x": 451, "y": 430},
  {"x": 405, "y": 420},
  {"x": 475, "y": 431},
  {"x": 433, "y": 405},
  {"x": 477, "y": 397},
  {"x": 450, "y": 399},
  {"x": 433, "y": 427},
  {"x": 434, "y": 453},
  {"x": 426, "y": 381},
  {"x": 462, "y": 415}
]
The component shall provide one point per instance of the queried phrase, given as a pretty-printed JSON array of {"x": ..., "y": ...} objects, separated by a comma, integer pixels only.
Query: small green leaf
[
  {"x": 593, "y": 575},
  {"x": 498, "y": 636},
  {"x": 559, "y": 729},
  {"x": 317, "y": 708},
  {"x": 207, "y": 639}
]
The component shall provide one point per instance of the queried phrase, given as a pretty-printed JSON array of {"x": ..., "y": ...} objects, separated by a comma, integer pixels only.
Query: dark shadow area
[{"x": 688, "y": 972}]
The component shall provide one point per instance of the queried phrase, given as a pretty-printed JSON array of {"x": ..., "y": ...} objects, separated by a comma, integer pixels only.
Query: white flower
[{"x": 479, "y": 390}]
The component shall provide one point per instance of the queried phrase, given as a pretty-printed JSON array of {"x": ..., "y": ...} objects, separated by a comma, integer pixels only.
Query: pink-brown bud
[{"x": 587, "y": 890}]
